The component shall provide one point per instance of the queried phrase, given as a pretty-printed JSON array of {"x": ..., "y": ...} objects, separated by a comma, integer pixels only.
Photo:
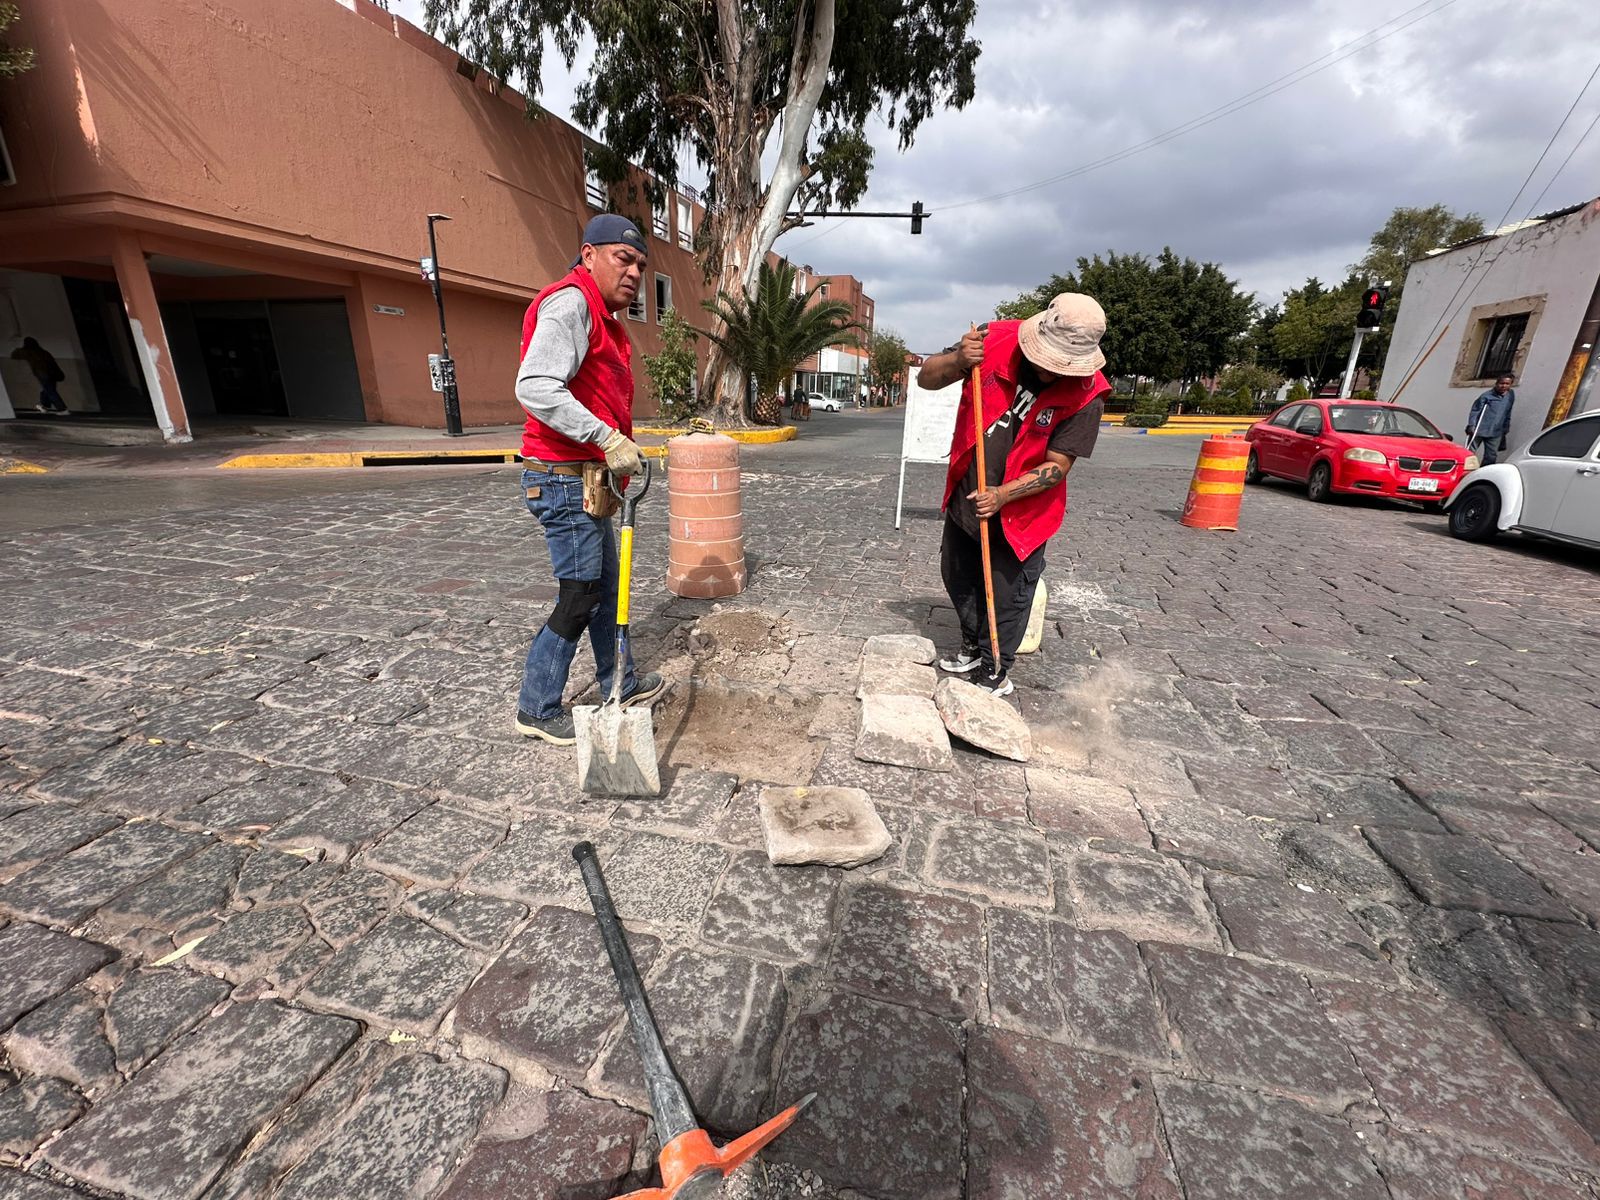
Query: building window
[
  {"x": 685, "y": 224},
  {"x": 594, "y": 189},
  {"x": 1497, "y": 340},
  {"x": 663, "y": 296},
  {"x": 660, "y": 223},
  {"x": 636, "y": 308},
  {"x": 1500, "y": 342},
  {"x": 822, "y": 290}
]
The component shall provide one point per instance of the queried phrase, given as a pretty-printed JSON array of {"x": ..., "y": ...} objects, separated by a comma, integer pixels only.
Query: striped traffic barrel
[
  {"x": 706, "y": 555},
  {"x": 1218, "y": 484}
]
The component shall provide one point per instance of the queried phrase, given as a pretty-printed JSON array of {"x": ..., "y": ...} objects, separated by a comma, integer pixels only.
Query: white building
[{"x": 1524, "y": 299}]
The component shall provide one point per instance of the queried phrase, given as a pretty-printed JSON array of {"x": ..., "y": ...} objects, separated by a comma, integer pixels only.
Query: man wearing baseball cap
[
  {"x": 1041, "y": 403},
  {"x": 576, "y": 384}
]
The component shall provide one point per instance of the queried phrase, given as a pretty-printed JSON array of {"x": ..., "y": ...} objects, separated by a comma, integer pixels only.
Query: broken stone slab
[
  {"x": 152, "y": 1007},
  {"x": 835, "y": 826},
  {"x": 63, "y": 1039},
  {"x": 908, "y": 647},
  {"x": 39, "y": 963},
  {"x": 882, "y": 676},
  {"x": 983, "y": 720},
  {"x": 904, "y": 731},
  {"x": 31, "y": 1110}
]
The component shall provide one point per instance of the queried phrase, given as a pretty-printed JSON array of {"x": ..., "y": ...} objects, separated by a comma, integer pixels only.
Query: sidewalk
[{"x": 284, "y": 444}]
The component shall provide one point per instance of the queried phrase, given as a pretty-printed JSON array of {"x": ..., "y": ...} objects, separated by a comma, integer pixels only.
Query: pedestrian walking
[
  {"x": 1041, "y": 405},
  {"x": 576, "y": 383},
  {"x": 1489, "y": 422},
  {"x": 47, "y": 371}
]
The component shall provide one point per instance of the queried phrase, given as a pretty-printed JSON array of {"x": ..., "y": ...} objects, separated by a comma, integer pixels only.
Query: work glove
[{"x": 623, "y": 456}]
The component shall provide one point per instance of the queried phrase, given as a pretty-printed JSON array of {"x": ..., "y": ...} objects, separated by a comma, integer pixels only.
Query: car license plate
[{"x": 1423, "y": 485}]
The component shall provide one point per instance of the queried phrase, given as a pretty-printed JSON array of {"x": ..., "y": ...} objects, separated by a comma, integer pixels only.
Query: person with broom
[
  {"x": 576, "y": 384},
  {"x": 1039, "y": 403}
]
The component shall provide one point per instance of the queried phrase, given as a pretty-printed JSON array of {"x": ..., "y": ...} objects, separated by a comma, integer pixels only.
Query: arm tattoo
[{"x": 1040, "y": 479}]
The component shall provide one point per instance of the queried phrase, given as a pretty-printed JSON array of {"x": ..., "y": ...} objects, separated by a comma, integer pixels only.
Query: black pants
[{"x": 1015, "y": 580}]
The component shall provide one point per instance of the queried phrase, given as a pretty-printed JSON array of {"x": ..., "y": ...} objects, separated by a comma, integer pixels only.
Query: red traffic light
[{"x": 1373, "y": 298}]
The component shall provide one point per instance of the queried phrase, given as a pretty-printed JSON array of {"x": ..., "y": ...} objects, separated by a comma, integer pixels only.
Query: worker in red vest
[
  {"x": 576, "y": 383},
  {"x": 1041, "y": 404}
]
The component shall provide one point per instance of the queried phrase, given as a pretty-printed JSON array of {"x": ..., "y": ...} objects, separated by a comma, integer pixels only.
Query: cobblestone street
[{"x": 1297, "y": 897}]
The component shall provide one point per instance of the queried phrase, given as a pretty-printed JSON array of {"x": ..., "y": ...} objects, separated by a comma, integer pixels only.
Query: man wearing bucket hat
[
  {"x": 1041, "y": 402},
  {"x": 576, "y": 384}
]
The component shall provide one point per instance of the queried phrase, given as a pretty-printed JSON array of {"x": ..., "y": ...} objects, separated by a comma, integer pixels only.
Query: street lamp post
[{"x": 447, "y": 366}]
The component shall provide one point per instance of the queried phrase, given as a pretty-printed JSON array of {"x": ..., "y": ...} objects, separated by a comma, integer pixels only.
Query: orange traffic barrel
[
  {"x": 1218, "y": 484},
  {"x": 706, "y": 558}
]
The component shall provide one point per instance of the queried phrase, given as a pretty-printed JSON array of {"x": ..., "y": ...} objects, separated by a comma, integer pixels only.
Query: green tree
[
  {"x": 1252, "y": 383},
  {"x": 735, "y": 79},
  {"x": 14, "y": 60},
  {"x": 888, "y": 358},
  {"x": 770, "y": 332},
  {"x": 672, "y": 371},
  {"x": 1407, "y": 236},
  {"x": 1313, "y": 336}
]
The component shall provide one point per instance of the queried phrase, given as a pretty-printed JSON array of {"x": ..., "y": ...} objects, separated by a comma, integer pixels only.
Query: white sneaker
[{"x": 964, "y": 661}]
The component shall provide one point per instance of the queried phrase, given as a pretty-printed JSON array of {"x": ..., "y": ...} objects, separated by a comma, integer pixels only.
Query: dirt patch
[
  {"x": 752, "y": 730},
  {"x": 746, "y": 644}
]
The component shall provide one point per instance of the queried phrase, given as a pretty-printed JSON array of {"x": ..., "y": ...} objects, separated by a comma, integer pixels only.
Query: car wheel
[
  {"x": 1252, "y": 469},
  {"x": 1319, "y": 488},
  {"x": 1476, "y": 515}
]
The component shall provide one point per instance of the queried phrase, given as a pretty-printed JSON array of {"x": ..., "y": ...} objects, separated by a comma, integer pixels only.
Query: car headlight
[
  {"x": 1471, "y": 464},
  {"x": 1362, "y": 454}
]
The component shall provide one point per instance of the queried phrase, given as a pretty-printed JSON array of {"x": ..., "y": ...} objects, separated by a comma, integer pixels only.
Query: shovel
[
  {"x": 616, "y": 745},
  {"x": 692, "y": 1167}
]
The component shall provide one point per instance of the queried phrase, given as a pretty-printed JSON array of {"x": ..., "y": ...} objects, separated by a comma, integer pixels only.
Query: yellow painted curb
[
  {"x": 1190, "y": 431},
  {"x": 16, "y": 466},
  {"x": 365, "y": 458},
  {"x": 750, "y": 437}
]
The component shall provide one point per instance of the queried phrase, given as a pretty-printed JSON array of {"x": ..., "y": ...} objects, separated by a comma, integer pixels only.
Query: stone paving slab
[
  {"x": 1567, "y": 1058},
  {"x": 189, "y": 892},
  {"x": 152, "y": 1007},
  {"x": 1260, "y": 1026},
  {"x": 68, "y": 889},
  {"x": 1434, "y": 1066},
  {"x": 903, "y": 731},
  {"x": 1002, "y": 863},
  {"x": 783, "y": 913},
  {"x": 1461, "y": 872},
  {"x": 435, "y": 847},
  {"x": 404, "y": 1136},
  {"x": 550, "y": 998},
  {"x": 1210, "y": 834},
  {"x": 1231, "y": 1144},
  {"x": 1421, "y": 1167},
  {"x": 402, "y": 974},
  {"x": 1145, "y": 897},
  {"x": 534, "y": 864},
  {"x": 887, "y": 1119},
  {"x": 917, "y": 950},
  {"x": 720, "y": 1018},
  {"x": 33, "y": 835},
  {"x": 560, "y": 1145},
  {"x": 64, "y": 1039},
  {"x": 253, "y": 945},
  {"x": 38, "y": 964},
  {"x": 1086, "y": 807},
  {"x": 1045, "y": 1120},
  {"x": 31, "y": 1110},
  {"x": 1282, "y": 922},
  {"x": 16, "y": 1186},
  {"x": 481, "y": 922},
  {"x": 168, "y": 1133},
  {"x": 344, "y": 823}
]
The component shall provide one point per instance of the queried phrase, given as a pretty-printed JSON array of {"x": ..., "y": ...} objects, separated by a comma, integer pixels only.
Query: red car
[{"x": 1358, "y": 447}]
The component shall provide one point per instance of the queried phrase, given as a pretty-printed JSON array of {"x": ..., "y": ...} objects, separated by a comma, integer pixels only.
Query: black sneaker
[
  {"x": 646, "y": 687},
  {"x": 962, "y": 663},
  {"x": 557, "y": 730},
  {"x": 996, "y": 685}
]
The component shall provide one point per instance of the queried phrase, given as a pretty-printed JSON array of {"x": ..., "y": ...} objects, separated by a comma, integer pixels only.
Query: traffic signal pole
[{"x": 1350, "y": 367}]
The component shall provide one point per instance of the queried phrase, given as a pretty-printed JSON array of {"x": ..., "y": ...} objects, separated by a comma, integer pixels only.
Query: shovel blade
[{"x": 616, "y": 751}]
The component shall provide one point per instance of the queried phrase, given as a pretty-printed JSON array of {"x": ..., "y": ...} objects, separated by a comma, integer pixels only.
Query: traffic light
[
  {"x": 1371, "y": 313},
  {"x": 916, "y": 217}
]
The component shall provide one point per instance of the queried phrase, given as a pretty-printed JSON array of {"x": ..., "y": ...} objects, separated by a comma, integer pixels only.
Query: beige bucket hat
[{"x": 1065, "y": 338}]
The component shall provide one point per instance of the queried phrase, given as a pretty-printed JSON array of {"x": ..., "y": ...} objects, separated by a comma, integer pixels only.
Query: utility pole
[
  {"x": 1350, "y": 367},
  {"x": 1370, "y": 316},
  {"x": 446, "y": 379}
]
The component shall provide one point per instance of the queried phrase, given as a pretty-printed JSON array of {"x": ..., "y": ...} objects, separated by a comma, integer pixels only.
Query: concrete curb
[
  {"x": 750, "y": 437},
  {"x": 386, "y": 458}
]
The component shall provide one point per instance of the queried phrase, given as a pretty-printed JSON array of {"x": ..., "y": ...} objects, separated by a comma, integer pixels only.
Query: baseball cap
[{"x": 608, "y": 229}]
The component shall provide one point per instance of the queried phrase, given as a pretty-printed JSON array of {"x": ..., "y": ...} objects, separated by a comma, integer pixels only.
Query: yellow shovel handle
[{"x": 624, "y": 574}]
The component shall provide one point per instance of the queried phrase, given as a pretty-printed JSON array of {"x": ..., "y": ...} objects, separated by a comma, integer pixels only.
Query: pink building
[{"x": 216, "y": 208}]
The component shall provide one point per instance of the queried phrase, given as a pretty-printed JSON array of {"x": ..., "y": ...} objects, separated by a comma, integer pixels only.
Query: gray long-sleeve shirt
[{"x": 555, "y": 352}]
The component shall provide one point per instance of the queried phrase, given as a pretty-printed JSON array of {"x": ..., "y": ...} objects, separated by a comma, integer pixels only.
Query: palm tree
[{"x": 771, "y": 332}]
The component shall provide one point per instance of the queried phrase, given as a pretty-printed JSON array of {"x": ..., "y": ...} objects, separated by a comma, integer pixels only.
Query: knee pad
[{"x": 575, "y": 605}]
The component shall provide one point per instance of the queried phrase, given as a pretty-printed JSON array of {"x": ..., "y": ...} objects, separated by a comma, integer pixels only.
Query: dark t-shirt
[{"x": 1074, "y": 437}]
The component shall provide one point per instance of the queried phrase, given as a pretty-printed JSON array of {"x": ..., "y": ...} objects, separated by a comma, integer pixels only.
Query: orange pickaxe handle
[{"x": 983, "y": 522}]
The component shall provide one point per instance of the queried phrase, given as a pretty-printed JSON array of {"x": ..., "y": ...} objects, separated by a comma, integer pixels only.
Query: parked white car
[
  {"x": 1550, "y": 487},
  {"x": 825, "y": 403}
]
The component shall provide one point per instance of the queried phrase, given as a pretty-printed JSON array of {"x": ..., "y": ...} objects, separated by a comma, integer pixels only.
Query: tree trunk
[{"x": 769, "y": 409}]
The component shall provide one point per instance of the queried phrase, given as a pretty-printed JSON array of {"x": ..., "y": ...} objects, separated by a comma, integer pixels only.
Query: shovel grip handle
[{"x": 669, "y": 1103}]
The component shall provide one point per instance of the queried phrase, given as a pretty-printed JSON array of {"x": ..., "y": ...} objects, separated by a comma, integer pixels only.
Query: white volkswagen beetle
[{"x": 1550, "y": 487}]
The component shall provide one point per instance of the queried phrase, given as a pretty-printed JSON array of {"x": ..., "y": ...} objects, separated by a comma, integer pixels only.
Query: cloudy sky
[{"x": 1449, "y": 102}]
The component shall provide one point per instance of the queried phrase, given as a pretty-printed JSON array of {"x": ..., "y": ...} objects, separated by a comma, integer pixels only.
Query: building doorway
[{"x": 242, "y": 366}]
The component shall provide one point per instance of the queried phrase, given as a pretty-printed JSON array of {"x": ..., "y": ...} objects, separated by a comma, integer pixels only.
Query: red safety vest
[
  {"x": 1030, "y": 522},
  {"x": 603, "y": 384}
]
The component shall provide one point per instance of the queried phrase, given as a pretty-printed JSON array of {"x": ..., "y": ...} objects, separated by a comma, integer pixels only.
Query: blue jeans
[
  {"x": 584, "y": 549},
  {"x": 1487, "y": 449}
]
